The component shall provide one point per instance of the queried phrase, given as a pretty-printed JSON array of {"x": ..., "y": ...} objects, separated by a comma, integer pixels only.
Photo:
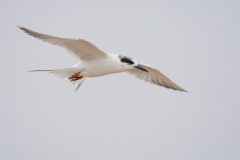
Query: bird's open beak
[{"x": 141, "y": 68}]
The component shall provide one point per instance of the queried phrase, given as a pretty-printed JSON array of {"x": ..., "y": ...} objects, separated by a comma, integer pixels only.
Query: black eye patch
[{"x": 127, "y": 60}]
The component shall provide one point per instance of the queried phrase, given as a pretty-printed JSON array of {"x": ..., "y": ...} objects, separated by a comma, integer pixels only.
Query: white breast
[{"x": 102, "y": 66}]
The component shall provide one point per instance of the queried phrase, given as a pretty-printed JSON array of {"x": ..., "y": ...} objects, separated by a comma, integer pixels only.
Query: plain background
[{"x": 194, "y": 43}]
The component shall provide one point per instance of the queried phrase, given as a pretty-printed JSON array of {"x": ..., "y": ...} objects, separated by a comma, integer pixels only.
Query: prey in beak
[{"x": 141, "y": 68}]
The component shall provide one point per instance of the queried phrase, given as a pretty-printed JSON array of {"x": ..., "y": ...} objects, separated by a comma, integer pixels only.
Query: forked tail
[{"x": 66, "y": 73}]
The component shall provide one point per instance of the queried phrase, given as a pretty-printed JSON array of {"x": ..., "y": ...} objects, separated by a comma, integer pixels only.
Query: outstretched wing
[
  {"x": 79, "y": 47},
  {"x": 154, "y": 76}
]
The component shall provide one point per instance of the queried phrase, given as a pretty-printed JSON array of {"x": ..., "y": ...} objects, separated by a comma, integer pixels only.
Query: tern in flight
[{"x": 94, "y": 63}]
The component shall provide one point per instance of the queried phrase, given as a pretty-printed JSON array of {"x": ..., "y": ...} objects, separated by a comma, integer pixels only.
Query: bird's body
[
  {"x": 101, "y": 66},
  {"x": 94, "y": 63}
]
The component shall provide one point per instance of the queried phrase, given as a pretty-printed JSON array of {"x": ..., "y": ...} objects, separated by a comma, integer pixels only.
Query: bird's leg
[{"x": 75, "y": 77}]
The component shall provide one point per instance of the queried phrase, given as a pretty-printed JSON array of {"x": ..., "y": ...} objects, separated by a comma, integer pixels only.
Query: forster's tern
[{"x": 94, "y": 62}]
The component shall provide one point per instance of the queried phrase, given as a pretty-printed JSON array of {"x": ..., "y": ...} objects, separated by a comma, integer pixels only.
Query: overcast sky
[{"x": 118, "y": 117}]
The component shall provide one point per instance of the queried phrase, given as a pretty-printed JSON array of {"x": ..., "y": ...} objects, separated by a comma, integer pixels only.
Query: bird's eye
[{"x": 127, "y": 60}]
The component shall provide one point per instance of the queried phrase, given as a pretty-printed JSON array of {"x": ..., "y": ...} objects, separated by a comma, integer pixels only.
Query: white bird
[{"x": 94, "y": 62}]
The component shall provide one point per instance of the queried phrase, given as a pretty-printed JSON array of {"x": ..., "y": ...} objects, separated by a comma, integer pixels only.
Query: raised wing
[
  {"x": 154, "y": 76},
  {"x": 79, "y": 47}
]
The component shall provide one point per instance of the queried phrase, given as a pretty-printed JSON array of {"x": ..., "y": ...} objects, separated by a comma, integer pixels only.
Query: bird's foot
[{"x": 75, "y": 77}]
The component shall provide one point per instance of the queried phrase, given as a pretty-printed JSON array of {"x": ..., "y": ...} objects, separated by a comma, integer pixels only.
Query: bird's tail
[{"x": 65, "y": 73}]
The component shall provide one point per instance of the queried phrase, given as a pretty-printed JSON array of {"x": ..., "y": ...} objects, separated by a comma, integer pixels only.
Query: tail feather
[
  {"x": 63, "y": 73},
  {"x": 39, "y": 70}
]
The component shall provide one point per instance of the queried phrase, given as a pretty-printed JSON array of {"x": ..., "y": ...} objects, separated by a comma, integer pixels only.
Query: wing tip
[
  {"x": 28, "y": 31},
  {"x": 22, "y": 28},
  {"x": 184, "y": 91},
  {"x": 180, "y": 89}
]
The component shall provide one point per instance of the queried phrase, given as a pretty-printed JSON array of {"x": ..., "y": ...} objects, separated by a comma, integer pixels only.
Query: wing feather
[
  {"x": 79, "y": 47},
  {"x": 154, "y": 76}
]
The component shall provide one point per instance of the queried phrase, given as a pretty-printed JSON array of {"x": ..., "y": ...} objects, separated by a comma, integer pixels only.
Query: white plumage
[{"x": 94, "y": 62}]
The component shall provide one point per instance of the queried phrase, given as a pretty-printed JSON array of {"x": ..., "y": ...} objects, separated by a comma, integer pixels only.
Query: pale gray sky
[{"x": 195, "y": 43}]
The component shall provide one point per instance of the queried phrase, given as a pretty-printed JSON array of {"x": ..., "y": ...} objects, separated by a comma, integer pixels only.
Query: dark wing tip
[
  {"x": 183, "y": 90},
  {"x": 179, "y": 89},
  {"x": 22, "y": 28},
  {"x": 28, "y": 31}
]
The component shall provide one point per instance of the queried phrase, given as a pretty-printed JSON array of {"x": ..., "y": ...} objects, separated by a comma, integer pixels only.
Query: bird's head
[{"x": 131, "y": 62}]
